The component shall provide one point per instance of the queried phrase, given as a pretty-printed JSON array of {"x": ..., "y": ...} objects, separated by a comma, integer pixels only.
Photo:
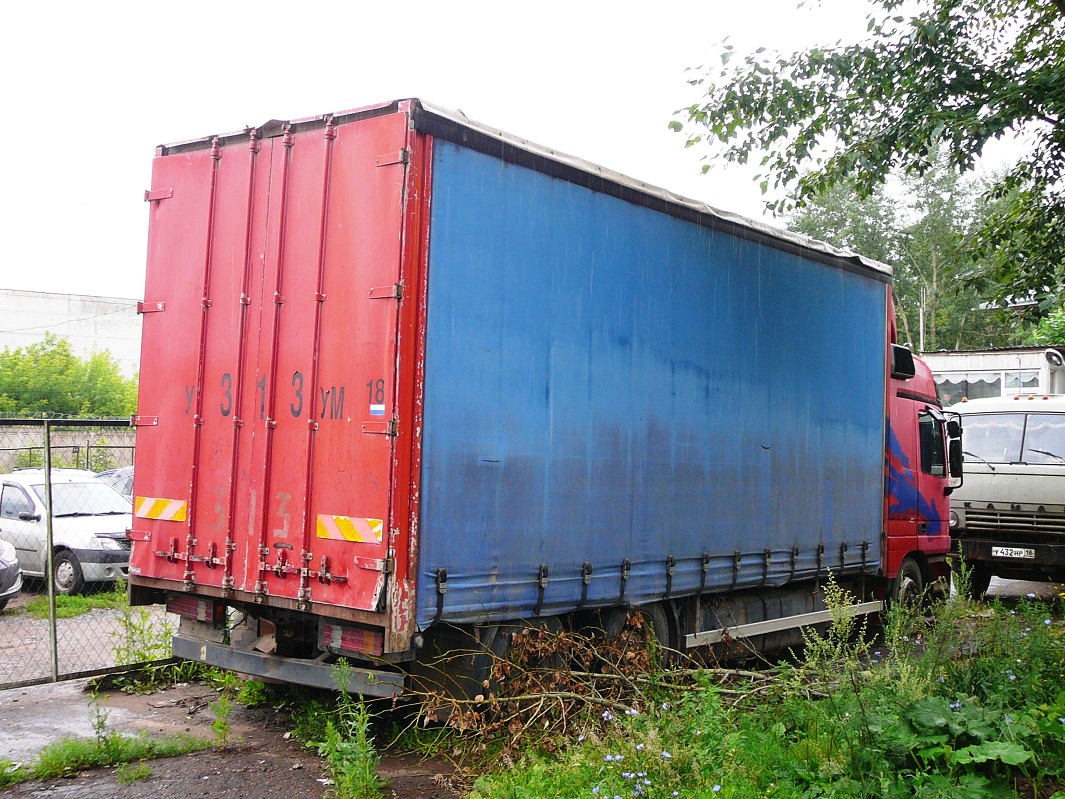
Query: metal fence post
[{"x": 53, "y": 637}]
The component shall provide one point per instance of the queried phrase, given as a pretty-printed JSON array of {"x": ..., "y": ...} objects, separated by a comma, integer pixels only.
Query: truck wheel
[
  {"x": 909, "y": 584},
  {"x": 66, "y": 571},
  {"x": 979, "y": 579},
  {"x": 655, "y": 616}
]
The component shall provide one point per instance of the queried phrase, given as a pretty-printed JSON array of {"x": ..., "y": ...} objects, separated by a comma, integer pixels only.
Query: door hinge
[
  {"x": 150, "y": 307},
  {"x": 383, "y": 565},
  {"x": 154, "y": 195},
  {"x": 393, "y": 292},
  {"x": 389, "y": 428},
  {"x": 398, "y": 157}
]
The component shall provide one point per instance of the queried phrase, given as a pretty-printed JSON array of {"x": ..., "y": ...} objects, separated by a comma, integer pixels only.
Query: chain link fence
[{"x": 65, "y": 508}]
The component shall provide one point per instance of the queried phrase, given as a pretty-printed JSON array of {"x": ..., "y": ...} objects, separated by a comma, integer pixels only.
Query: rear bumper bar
[{"x": 367, "y": 682}]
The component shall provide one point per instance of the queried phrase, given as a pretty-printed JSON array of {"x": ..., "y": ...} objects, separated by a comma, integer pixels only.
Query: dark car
[{"x": 10, "y": 574}]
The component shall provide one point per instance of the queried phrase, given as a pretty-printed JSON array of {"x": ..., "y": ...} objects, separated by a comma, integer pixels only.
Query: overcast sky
[{"x": 90, "y": 89}]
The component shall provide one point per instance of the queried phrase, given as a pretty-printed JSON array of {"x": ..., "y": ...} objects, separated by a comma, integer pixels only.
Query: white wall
[
  {"x": 999, "y": 373},
  {"x": 90, "y": 323}
]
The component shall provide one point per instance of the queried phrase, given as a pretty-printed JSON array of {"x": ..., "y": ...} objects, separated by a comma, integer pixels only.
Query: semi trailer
[{"x": 408, "y": 381}]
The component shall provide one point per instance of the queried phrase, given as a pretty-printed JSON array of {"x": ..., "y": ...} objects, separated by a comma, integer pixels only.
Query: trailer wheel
[
  {"x": 909, "y": 584},
  {"x": 507, "y": 652},
  {"x": 655, "y": 615}
]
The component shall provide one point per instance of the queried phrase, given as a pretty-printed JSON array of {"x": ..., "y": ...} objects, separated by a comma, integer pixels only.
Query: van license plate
[{"x": 1012, "y": 552}]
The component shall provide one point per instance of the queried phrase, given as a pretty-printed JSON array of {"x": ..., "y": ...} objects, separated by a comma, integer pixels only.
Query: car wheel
[
  {"x": 909, "y": 584},
  {"x": 3, "y": 603},
  {"x": 67, "y": 573}
]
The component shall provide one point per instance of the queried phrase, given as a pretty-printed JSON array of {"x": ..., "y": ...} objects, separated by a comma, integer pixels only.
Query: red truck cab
[{"x": 923, "y": 466}]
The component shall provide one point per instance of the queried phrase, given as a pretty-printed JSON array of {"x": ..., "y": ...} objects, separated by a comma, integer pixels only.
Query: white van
[{"x": 1008, "y": 518}]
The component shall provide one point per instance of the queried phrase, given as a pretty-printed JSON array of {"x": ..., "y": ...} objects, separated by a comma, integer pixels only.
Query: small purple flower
[
  {"x": 717, "y": 789},
  {"x": 639, "y": 747},
  {"x": 666, "y": 755}
]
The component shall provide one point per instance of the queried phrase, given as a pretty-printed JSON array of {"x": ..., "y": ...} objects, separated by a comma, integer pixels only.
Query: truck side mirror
[
  {"x": 953, "y": 428},
  {"x": 902, "y": 366},
  {"x": 955, "y": 458}
]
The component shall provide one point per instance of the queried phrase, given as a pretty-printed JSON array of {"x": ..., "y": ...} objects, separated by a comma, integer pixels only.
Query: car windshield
[{"x": 91, "y": 498}]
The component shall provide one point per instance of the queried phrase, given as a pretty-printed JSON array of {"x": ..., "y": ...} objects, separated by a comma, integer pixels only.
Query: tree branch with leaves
[{"x": 948, "y": 78}]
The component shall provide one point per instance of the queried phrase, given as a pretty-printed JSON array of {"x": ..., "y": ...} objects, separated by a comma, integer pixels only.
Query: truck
[
  {"x": 1008, "y": 519},
  {"x": 410, "y": 382}
]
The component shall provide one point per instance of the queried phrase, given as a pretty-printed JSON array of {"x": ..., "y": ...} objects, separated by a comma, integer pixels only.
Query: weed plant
[
  {"x": 966, "y": 701},
  {"x": 222, "y": 725},
  {"x": 141, "y": 636},
  {"x": 342, "y": 735}
]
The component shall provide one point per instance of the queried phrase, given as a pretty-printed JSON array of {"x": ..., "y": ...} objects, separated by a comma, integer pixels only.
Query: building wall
[
  {"x": 993, "y": 373},
  {"x": 90, "y": 323}
]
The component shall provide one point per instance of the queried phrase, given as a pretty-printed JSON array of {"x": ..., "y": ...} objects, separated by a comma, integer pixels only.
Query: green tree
[
  {"x": 919, "y": 230},
  {"x": 48, "y": 379},
  {"x": 1050, "y": 332},
  {"x": 951, "y": 76}
]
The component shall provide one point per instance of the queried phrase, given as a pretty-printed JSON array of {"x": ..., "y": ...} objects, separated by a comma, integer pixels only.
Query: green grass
[
  {"x": 70, "y": 606},
  {"x": 967, "y": 703},
  {"x": 71, "y": 755},
  {"x": 129, "y": 773}
]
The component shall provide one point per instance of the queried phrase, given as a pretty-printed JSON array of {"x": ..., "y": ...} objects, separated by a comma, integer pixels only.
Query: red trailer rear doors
[{"x": 268, "y": 384}]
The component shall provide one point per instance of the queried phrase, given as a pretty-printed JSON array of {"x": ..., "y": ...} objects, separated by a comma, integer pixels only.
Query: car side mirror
[{"x": 26, "y": 516}]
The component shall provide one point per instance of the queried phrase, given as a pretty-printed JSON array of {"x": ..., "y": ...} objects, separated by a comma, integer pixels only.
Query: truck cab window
[
  {"x": 933, "y": 452},
  {"x": 1044, "y": 439},
  {"x": 993, "y": 437}
]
